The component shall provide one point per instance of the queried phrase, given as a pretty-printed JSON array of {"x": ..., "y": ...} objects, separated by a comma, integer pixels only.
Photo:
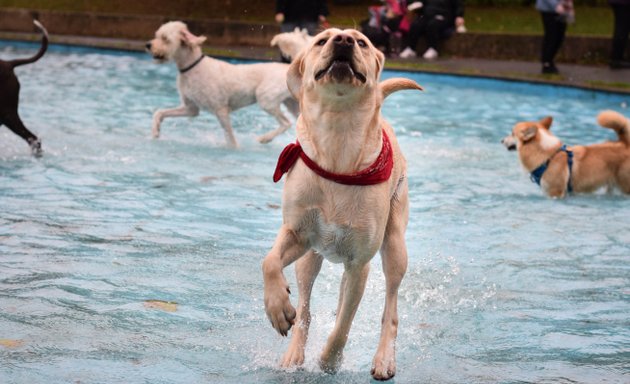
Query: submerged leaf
[
  {"x": 10, "y": 343},
  {"x": 167, "y": 306}
]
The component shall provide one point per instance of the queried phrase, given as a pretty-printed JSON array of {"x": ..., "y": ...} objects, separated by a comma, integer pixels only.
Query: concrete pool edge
[{"x": 590, "y": 78}]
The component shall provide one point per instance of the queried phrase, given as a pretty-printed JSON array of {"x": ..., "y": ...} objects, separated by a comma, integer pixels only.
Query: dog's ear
[
  {"x": 274, "y": 41},
  {"x": 191, "y": 40},
  {"x": 528, "y": 133},
  {"x": 546, "y": 122},
  {"x": 380, "y": 62},
  {"x": 390, "y": 86},
  {"x": 295, "y": 74}
]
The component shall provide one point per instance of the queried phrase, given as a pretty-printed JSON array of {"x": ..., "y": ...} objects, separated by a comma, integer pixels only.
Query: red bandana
[{"x": 376, "y": 173}]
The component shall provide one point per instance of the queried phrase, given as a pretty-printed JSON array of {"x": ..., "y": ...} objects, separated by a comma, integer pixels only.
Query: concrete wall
[{"x": 586, "y": 50}]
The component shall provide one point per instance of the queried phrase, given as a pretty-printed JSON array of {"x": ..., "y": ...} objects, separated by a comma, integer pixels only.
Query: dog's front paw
[
  {"x": 155, "y": 128},
  {"x": 264, "y": 139},
  {"x": 278, "y": 306},
  {"x": 383, "y": 366},
  {"x": 155, "y": 131},
  {"x": 293, "y": 357}
]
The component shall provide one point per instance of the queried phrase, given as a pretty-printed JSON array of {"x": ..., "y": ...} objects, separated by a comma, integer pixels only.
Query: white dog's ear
[
  {"x": 191, "y": 40},
  {"x": 528, "y": 133},
  {"x": 274, "y": 41},
  {"x": 295, "y": 73},
  {"x": 546, "y": 122}
]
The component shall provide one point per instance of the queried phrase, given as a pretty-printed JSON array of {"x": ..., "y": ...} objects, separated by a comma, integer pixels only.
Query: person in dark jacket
[
  {"x": 556, "y": 14},
  {"x": 301, "y": 14},
  {"x": 621, "y": 11},
  {"x": 436, "y": 20}
]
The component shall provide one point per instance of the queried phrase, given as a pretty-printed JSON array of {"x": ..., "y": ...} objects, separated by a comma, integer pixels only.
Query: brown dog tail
[
  {"x": 616, "y": 121},
  {"x": 40, "y": 53},
  {"x": 390, "y": 86}
]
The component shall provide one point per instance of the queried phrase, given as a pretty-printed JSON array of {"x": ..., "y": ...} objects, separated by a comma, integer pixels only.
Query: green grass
[
  {"x": 590, "y": 21},
  {"x": 612, "y": 85},
  {"x": 593, "y": 21}
]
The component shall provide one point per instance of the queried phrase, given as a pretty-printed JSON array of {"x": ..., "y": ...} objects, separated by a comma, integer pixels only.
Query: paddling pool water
[{"x": 503, "y": 285}]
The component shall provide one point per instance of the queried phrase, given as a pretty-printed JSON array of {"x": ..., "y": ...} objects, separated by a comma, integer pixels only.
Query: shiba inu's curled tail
[
  {"x": 40, "y": 53},
  {"x": 390, "y": 86},
  {"x": 618, "y": 122}
]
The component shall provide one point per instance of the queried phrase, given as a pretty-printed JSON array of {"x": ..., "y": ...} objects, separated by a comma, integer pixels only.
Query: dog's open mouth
[
  {"x": 341, "y": 67},
  {"x": 159, "y": 57}
]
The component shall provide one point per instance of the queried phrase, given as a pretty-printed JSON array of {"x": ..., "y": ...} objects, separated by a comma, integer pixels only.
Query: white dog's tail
[
  {"x": 616, "y": 121},
  {"x": 390, "y": 86}
]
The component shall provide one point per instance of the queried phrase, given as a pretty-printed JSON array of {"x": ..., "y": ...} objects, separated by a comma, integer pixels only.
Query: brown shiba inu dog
[{"x": 559, "y": 169}]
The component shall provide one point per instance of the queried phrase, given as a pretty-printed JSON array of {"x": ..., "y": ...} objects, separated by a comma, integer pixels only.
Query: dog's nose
[
  {"x": 148, "y": 46},
  {"x": 343, "y": 40}
]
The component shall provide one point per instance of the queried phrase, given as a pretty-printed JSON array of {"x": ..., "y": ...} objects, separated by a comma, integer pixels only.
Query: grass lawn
[{"x": 593, "y": 21}]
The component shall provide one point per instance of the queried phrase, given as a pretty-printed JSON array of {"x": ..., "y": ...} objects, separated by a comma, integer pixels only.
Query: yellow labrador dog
[{"x": 345, "y": 195}]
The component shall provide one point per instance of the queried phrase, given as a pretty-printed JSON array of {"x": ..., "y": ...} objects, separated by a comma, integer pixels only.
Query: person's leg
[
  {"x": 548, "y": 42},
  {"x": 311, "y": 26},
  {"x": 560, "y": 30},
  {"x": 620, "y": 33},
  {"x": 288, "y": 26},
  {"x": 435, "y": 30},
  {"x": 416, "y": 30}
]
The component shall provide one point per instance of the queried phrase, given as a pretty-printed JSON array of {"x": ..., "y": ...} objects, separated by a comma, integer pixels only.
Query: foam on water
[{"x": 503, "y": 285}]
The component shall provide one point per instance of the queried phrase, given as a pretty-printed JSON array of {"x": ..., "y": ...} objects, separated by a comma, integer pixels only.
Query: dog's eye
[
  {"x": 321, "y": 42},
  {"x": 165, "y": 39},
  {"x": 362, "y": 43}
]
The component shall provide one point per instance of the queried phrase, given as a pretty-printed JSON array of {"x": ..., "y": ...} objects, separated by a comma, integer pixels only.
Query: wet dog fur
[{"x": 336, "y": 80}]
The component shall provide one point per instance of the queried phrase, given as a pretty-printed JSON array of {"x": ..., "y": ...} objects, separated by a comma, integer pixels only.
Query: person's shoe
[
  {"x": 619, "y": 64},
  {"x": 430, "y": 54},
  {"x": 407, "y": 53},
  {"x": 549, "y": 69}
]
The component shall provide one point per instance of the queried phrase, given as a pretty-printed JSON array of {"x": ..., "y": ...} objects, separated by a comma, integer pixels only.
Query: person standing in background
[
  {"x": 621, "y": 11},
  {"x": 291, "y": 14},
  {"x": 556, "y": 14}
]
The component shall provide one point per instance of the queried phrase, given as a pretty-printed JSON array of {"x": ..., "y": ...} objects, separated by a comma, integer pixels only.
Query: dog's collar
[
  {"x": 538, "y": 173},
  {"x": 191, "y": 66},
  {"x": 376, "y": 173}
]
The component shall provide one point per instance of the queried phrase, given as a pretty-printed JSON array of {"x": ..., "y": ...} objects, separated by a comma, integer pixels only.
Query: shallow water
[{"x": 503, "y": 285}]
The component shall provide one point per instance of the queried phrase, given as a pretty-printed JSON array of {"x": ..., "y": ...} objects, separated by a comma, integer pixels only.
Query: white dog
[
  {"x": 292, "y": 43},
  {"x": 345, "y": 195},
  {"x": 218, "y": 86}
]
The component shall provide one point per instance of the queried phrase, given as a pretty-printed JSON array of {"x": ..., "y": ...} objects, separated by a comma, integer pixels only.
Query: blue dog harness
[{"x": 538, "y": 173}]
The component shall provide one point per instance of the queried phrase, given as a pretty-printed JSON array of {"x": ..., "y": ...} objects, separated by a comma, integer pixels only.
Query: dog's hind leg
[
  {"x": 159, "y": 115},
  {"x": 284, "y": 122},
  {"x": 353, "y": 286},
  {"x": 306, "y": 270},
  {"x": 394, "y": 259},
  {"x": 15, "y": 124},
  {"x": 224, "y": 118}
]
